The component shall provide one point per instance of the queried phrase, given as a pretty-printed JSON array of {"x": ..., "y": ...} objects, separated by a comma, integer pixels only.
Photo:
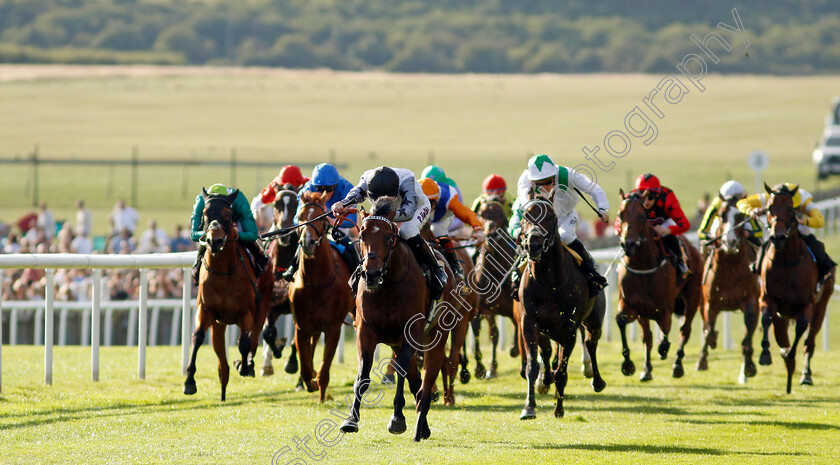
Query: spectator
[
  {"x": 84, "y": 220},
  {"x": 123, "y": 244},
  {"x": 64, "y": 241},
  {"x": 46, "y": 221},
  {"x": 12, "y": 243},
  {"x": 82, "y": 244},
  {"x": 153, "y": 240},
  {"x": 123, "y": 217},
  {"x": 181, "y": 241},
  {"x": 36, "y": 236}
]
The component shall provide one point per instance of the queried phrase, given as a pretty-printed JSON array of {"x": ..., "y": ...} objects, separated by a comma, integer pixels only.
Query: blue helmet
[{"x": 325, "y": 175}]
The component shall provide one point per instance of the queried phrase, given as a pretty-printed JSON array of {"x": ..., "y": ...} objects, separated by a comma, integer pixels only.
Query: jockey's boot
[
  {"x": 824, "y": 263},
  {"x": 289, "y": 274},
  {"x": 452, "y": 258},
  {"x": 587, "y": 266},
  {"x": 516, "y": 278},
  {"x": 260, "y": 258},
  {"x": 756, "y": 266},
  {"x": 197, "y": 265},
  {"x": 427, "y": 260},
  {"x": 672, "y": 243}
]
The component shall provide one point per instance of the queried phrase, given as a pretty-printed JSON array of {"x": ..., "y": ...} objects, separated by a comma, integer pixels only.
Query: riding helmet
[
  {"x": 541, "y": 167},
  {"x": 325, "y": 175},
  {"x": 647, "y": 181},
  {"x": 383, "y": 182}
]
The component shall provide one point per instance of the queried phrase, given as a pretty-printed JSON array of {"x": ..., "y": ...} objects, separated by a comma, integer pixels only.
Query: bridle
[
  {"x": 323, "y": 233},
  {"x": 790, "y": 223},
  {"x": 640, "y": 238},
  {"x": 391, "y": 246},
  {"x": 493, "y": 225},
  {"x": 215, "y": 223},
  {"x": 549, "y": 236}
]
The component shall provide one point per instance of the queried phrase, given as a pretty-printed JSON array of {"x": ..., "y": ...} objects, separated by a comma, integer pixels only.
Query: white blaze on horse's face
[{"x": 729, "y": 236}]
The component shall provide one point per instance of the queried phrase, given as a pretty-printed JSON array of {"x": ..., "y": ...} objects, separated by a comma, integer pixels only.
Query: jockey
[
  {"x": 665, "y": 214},
  {"x": 729, "y": 190},
  {"x": 289, "y": 177},
  {"x": 808, "y": 215},
  {"x": 241, "y": 216},
  {"x": 494, "y": 188},
  {"x": 445, "y": 208},
  {"x": 436, "y": 173},
  {"x": 326, "y": 180},
  {"x": 413, "y": 212},
  {"x": 561, "y": 184}
]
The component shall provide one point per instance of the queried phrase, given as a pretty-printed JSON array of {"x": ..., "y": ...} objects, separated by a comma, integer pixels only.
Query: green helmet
[
  {"x": 217, "y": 189},
  {"x": 436, "y": 173}
]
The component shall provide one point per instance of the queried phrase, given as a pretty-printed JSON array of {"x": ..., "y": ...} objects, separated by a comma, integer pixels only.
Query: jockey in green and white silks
[{"x": 544, "y": 177}]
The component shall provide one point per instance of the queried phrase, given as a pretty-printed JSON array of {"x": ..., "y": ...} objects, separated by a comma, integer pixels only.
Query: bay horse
[
  {"x": 227, "y": 293},
  {"x": 648, "y": 289},
  {"x": 555, "y": 302},
  {"x": 491, "y": 281},
  {"x": 729, "y": 284},
  {"x": 464, "y": 307},
  {"x": 789, "y": 282},
  {"x": 392, "y": 304},
  {"x": 320, "y": 296},
  {"x": 281, "y": 251}
]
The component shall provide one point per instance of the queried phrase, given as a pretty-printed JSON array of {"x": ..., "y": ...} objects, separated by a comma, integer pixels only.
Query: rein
[{"x": 391, "y": 247}]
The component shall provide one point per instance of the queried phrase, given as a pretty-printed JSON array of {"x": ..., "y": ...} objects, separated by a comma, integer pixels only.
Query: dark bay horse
[
  {"x": 648, "y": 289},
  {"x": 281, "y": 251},
  {"x": 491, "y": 280},
  {"x": 227, "y": 290},
  {"x": 728, "y": 284},
  {"x": 555, "y": 301},
  {"x": 789, "y": 282},
  {"x": 319, "y": 295},
  {"x": 392, "y": 304}
]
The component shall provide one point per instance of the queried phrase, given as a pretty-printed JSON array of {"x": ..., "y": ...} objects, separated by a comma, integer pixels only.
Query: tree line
[{"x": 438, "y": 36}]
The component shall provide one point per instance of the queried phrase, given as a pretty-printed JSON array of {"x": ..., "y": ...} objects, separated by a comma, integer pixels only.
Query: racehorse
[
  {"x": 392, "y": 304},
  {"x": 281, "y": 251},
  {"x": 465, "y": 308},
  {"x": 491, "y": 281},
  {"x": 789, "y": 282},
  {"x": 320, "y": 297},
  {"x": 555, "y": 301},
  {"x": 228, "y": 292},
  {"x": 729, "y": 284},
  {"x": 648, "y": 288}
]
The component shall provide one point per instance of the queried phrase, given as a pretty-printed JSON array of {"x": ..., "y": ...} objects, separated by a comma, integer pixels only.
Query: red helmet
[
  {"x": 290, "y": 174},
  {"x": 493, "y": 183},
  {"x": 647, "y": 181}
]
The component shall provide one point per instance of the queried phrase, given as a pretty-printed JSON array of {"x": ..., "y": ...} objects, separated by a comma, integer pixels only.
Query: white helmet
[
  {"x": 541, "y": 167},
  {"x": 732, "y": 189}
]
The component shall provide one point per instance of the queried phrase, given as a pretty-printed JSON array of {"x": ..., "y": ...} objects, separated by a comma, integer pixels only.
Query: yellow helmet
[{"x": 430, "y": 188}]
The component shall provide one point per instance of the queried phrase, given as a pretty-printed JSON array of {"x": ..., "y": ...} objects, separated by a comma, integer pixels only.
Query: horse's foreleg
[
  {"x": 709, "y": 336},
  {"x": 248, "y": 341},
  {"x": 365, "y": 346},
  {"x": 432, "y": 366},
  {"x": 458, "y": 340},
  {"x": 561, "y": 376},
  {"x": 591, "y": 345},
  {"x": 748, "y": 369},
  {"x": 530, "y": 335},
  {"x": 691, "y": 304},
  {"x": 475, "y": 325},
  {"x": 627, "y": 367},
  {"x": 548, "y": 367},
  {"x": 306, "y": 353},
  {"x": 766, "y": 320},
  {"x": 789, "y": 353},
  {"x": 331, "y": 337},
  {"x": 202, "y": 323},
  {"x": 219, "y": 345},
  {"x": 585, "y": 358},
  {"x": 647, "y": 339},
  {"x": 494, "y": 341},
  {"x": 810, "y": 343},
  {"x": 396, "y": 425}
]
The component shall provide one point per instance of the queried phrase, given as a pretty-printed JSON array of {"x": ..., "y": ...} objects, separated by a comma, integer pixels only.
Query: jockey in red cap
[
  {"x": 665, "y": 214},
  {"x": 289, "y": 177},
  {"x": 494, "y": 188}
]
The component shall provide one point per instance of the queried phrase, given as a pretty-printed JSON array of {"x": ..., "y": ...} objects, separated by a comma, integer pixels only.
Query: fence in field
[{"x": 139, "y": 323}]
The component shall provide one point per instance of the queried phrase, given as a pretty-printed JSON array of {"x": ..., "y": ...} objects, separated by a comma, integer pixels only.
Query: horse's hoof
[
  {"x": 277, "y": 347},
  {"x": 250, "y": 371},
  {"x": 559, "y": 412},
  {"x": 464, "y": 376},
  {"x": 587, "y": 370},
  {"x": 712, "y": 338},
  {"x": 806, "y": 380},
  {"x": 189, "y": 388},
  {"x": 678, "y": 371},
  {"x": 291, "y": 366},
  {"x": 598, "y": 384},
  {"x": 491, "y": 373},
  {"x": 522, "y": 374},
  {"x": 425, "y": 433},
  {"x": 702, "y": 364},
  {"x": 542, "y": 388},
  {"x": 396, "y": 425},
  {"x": 787, "y": 354},
  {"x": 299, "y": 386},
  {"x": 749, "y": 369},
  {"x": 514, "y": 351},
  {"x": 742, "y": 378},
  {"x": 765, "y": 359},
  {"x": 480, "y": 371},
  {"x": 664, "y": 346},
  {"x": 267, "y": 371},
  {"x": 628, "y": 368},
  {"x": 528, "y": 413},
  {"x": 389, "y": 378},
  {"x": 349, "y": 426},
  {"x": 646, "y": 376}
]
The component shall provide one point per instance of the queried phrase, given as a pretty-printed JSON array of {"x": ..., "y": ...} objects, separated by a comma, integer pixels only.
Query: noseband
[
  {"x": 225, "y": 226},
  {"x": 552, "y": 231},
  {"x": 640, "y": 239},
  {"x": 321, "y": 234},
  {"x": 395, "y": 238}
]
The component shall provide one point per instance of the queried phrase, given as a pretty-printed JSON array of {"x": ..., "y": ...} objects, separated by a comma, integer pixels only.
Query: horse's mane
[{"x": 383, "y": 206}]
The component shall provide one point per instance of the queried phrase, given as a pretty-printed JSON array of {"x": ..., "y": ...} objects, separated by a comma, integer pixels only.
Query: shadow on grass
[
  {"x": 794, "y": 425},
  {"x": 661, "y": 449}
]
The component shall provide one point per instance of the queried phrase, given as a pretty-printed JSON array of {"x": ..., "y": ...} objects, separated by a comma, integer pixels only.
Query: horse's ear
[
  {"x": 794, "y": 190},
  {"x": 621, "y": 193},
  {"x": 232, "y": 196},
  {"x": 204, "y": 194},
  {"x": 768, "y": 188},
  {"x": 720, "y": 196}
]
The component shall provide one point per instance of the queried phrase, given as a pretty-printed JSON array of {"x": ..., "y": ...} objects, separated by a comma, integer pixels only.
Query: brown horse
[
  {"x": 555, "y": 302},
  {"x": 319, "y": 295},
  {"x": 729, "y": 284},
  {"x": 491, "y": 281},
  {"x": 227, "y": 290},
  {"x": 281, "y": 250},
  {"x": 392, "y": 304},
  {"x": 648, "y": 288},
  {"x": 789, "y": 277}
]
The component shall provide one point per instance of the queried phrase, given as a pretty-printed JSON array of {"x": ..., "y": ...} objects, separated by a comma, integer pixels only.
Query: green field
[{"x": 471, "y": 125}]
